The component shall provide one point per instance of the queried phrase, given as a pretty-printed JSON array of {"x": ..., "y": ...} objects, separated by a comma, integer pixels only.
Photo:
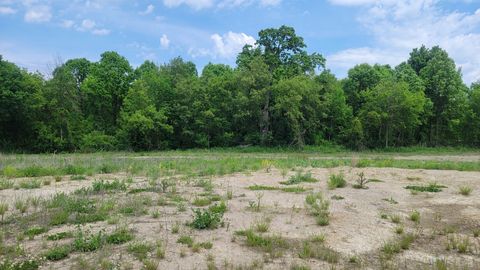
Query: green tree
[
  {"x": 142, "y": 126},
  {"x": 105, "y": 88},
  {"x": 445, "y": 88},
  {"x": 391, "y": 113}
]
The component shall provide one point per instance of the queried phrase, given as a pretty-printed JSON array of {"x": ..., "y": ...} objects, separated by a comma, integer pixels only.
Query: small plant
[
  {"x": 476, "y": 232},
  {"x": 318, "y": 207},
  {"x": 21, "y": 206},
  {"x": 391, "y": 248},
  {"x": 406, "y": 241},
  {"x": 30, "y": 184},
  {"x": 399, "y": 229},
  {"x": 176, "y": 228},
  {"x": 465, "y": 190},
  {"x": 298, "y": 178},
  {"x": 415, "y": 216},
  {"x": 336, "y": 181},
  {"x": 3, "y": 209},
  {"x": 361, "y": 182},
  {"x": 229, "y": 194},
  {"x": 78, "y": 177},
  {"x": 140, "y": 250},
  {"x": 186, "y": 240},
  {"x": 267, "y": 165},
  {"x": 34, "y": 231},
  {"x": 262, "y": 226},
  {"x": 59, "y": 236},
  {"x": 155, "y": 214},
  {"x": 57, "y": 253},
  {"x": 201, "y": 201},
  {"x": 395, "y": 219},
  {"x": 58, "y": 178},
  {"x": 209, "y": 218},
  {"x": 119, "y": 236},
  {"x": 432, "y": 187},
  {"x": 46, "y": 182},
  {"x": 86, "y": 242},
  {"x": 391, "y": 200}
]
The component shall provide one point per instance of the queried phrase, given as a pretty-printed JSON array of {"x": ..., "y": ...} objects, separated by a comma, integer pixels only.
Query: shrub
[
  {"x": 186, "y": 240},
  {"x": 104, "y": 186},
  {"x": 415, "y": 216},
  {"x": 97, "y": 141},
  {"x": 206, "y": 219},
  {"x": 57, "y": 253},
  {"x": 120, "y": 236},
  {"x": 85, "y": 242},
  {"x": 318, "y": 207},
  {"x": 300, "y": 177},
  {"x": 140, "y": 250},
  {"x": 59, "y": 236},
  {"x": 336, "y": 181},
  {"x": 361, "y": 181}
]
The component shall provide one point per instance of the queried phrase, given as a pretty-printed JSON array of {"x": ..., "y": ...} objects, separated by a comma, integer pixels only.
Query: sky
[{"x": 38, "y": 34}]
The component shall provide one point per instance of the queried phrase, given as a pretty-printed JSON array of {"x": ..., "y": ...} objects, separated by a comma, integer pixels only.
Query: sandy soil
[{"x": 356, "y": 228}]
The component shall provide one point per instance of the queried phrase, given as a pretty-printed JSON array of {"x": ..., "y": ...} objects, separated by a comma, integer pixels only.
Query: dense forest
[{"x": 277, "y": 95}]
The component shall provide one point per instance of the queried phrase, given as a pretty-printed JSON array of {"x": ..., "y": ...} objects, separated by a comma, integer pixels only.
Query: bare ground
[{"x": 356, "y": 227}]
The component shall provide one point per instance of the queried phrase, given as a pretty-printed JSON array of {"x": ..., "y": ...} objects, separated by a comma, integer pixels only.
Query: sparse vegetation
[
  {"x": 432, "y": 187},
  {"x": 318, "y": 207},
  {"x": 299, "y": 178},
  {"x": 336, "y": 181},
  {"x": 465, "y": 190}
]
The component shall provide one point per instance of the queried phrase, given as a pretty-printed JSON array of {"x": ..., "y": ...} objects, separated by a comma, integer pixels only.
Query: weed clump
[
  {"x": 432, "y": 187},
  {"x": 209, "y": 218},
  {"x": 336, "y": 181},
  {"x": 319, "y": 207},
  {"x": 298, "y": 178}
]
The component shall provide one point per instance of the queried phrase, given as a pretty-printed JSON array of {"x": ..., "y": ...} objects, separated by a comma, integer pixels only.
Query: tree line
[{"x": 277, "y": 95}]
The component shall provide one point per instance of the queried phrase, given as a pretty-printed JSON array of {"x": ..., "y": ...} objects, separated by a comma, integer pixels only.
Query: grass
[
  {"x": 336, "y": 181},
  {"x": 415, "y": 216},
  {"x": 140, "y": 250},
  {"x": 432, "y": 187},
  {"x": 87, "y": 242},
  {"x": 59, "y": 236},
  {"x": 201, "y": 201},
  {"x": 298, "y": 178},
  {"x": 57, "y": 253},
  {"x": 318, "y": 207},
  {"x": 312, "y": 250},
  {"x": 119, "y": 236},
  {"x": 185, "y": 240},
  {"x": 273, "y": 244},
  {"x": 296, "y": 189},
  {"x": 465, "y": 190}
]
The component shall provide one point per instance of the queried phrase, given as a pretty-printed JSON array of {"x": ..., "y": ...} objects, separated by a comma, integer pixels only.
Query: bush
[
  {"x": 57, "y": 253},
  {"x": 97, "y": 141},
  {"x": 209, "y": 218},
  {"x": 336, "y": 181}
]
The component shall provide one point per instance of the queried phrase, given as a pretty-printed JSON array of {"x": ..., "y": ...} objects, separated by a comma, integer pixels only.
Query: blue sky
[{"x": 37, "y": 34}]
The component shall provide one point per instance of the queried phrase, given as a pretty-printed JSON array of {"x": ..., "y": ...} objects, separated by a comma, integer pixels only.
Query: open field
[{"x": 241, "y": 209}]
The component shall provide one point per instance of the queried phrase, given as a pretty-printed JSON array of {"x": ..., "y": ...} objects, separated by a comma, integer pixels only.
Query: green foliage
[
  {"x": 432, "y": 187},
  {"x": 57, "y": 253},
  {"x": 209, "y": 218},
  {"x": 300, "y": 177},
  {"x": 119, "y": 236},
  {"x": 318, "y": 207},
  {"x": 277, "y": 95},
  {"x": 336, "y": 181}
]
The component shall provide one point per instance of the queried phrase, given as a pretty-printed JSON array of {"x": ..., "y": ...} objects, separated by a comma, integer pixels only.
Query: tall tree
[{"x": 105, "y": 88}]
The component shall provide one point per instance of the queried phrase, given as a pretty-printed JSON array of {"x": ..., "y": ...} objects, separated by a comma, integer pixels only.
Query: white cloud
[
  {"x": 195, "y": 4},
  {"x": 352, "y": 2},
  {"x": 150, "y": 9},
  {"x": 38, "y": 14},
  {"x": 7, "y": 11},
  {"x": 399, "y": 26},
  {"x": 228, "y": 45},
  {"x": 164, "y": 41},
  {"x": 201, "y": 4},
  {"x": 101, "y": 32}
]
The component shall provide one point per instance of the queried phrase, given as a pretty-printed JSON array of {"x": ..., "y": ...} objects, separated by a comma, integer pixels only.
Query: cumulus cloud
[
  {"x": 399, "y": 26},
  {"x": 228, "y": 45},
  {"x": 225, "y": 46},
  {"x": 38, "y": 14},
  {"x": 164, "y": 41},
  {"x": 150, "y": 9},
  {"x": 88, "y": 25},
  {"x": 7, "y": 11}
]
